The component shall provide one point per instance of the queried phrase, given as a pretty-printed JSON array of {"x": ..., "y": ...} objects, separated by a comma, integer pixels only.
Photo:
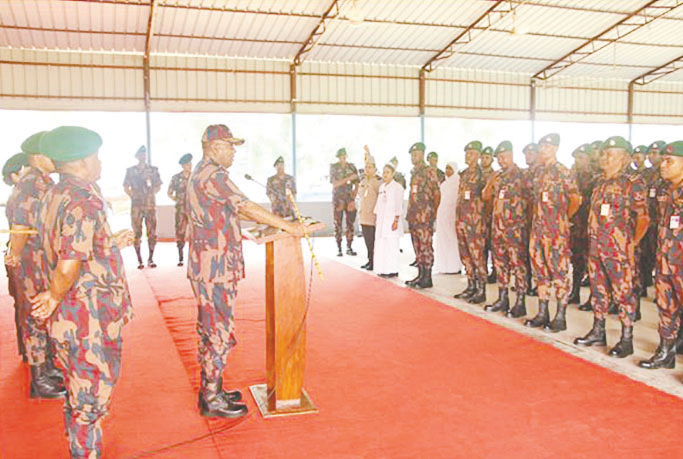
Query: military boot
[
  {"x": 141, "y": 265},
  {"x": 502, "y": 303},
  {"x": 467, "y": 292},
  {"x": 625, "y": 345},
  {"x": 559, "y": 323},
  {"x": 426, "y": 280},
  {"x": 519, "y": 309},
  {"x": 180, "y": 256},
  {"x": 339, "y": 250},
  {"x": 232, "y": 396},
  {"x": 664, "y": 356},
  {"x": 679, "y": 342},
  {"x": 413, "y": 281},
  {"x": 52, "y": 371},
  {"x": 42, "y": 386},
  {"x": 575, "y": 294},
  {"x": 349, "y": 250},
  {"x": 479, "y": 294},
  {"x": 596, "y": 336},
  {"x": 215, "y": 404},
  {"x": 532, "y": 291},
  {"x": 541, "y": 318},
  {"x": 636, "y": 314},
  {"x": 588, "y": 305}
]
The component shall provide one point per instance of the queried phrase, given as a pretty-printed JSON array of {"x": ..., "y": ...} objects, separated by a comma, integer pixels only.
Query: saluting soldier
[
  {"x": 509, "y": 194},
  {"x": 617, "y": 221},
  {"x": 344, "y": 178},
  {"x": 669, "y": 269},
  {"x": 423, "y": 201},
  {"x": 531, "y": 158},
  {"x": 12, "y": 171},
  {"x": 86, "y": 300},
  {"x": 25, "y": 257},
  {"x": 177, "y": 191},
  {"x": 142, "y": 183},
  {"x": 433, "y": 160},
  {"x": 469, "y": 226},
  {"x": 276, "y": 190},
  {"x": 556, "y": 200},
  {"x": 486, "y": 162}
]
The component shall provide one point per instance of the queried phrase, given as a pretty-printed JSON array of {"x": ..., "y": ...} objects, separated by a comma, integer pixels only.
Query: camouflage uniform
[
  {"x": 22, "y": 209},
  {"x": 400, "y": 179},
  {"x": 178, "y": 189},
  {"x": 276, "y": 190},
  {"x": 469, "y": 223},
  {"x": 585, "y": 181},
  {"x": 509, "y": 226},
  {"x": 143, "y": 182},
  {"x": 87, "y": 323},
  {"x": 343, "y": 201},
  {"x": 216, "y": 263},
  {"x": 617, "y": 203},
  {"x": 488, "y": 218},
  {"x": 653, "y": 182},
  {"x": 549, "y": 239},
  {"x": 424, "y": 193},
  {"x": 440, "y": 175}
]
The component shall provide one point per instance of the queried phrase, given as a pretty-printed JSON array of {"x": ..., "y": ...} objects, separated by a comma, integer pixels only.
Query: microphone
[{"x": 249, "y": 177}]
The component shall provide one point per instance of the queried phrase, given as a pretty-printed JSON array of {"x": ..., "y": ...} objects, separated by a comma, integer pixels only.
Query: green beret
[
  {"x": 341, "y": 152},
  {"x": 533, "y": 147},
  {"x": 550, "y": 139},
  {"x": 279, "y": 160},
  {"x": 474, "y": 145},
  {"x": 656, "y": 147},
  {"x": 417, "y": 146},
  {"x": 394, "y": 161},
  {"x": 432, "y": 154},
  {"x": 596, "y": 146},
  {"x": 618, "y": 142},
  {"x": 673, "y": 149},
  {"x": 640, "y": 149},
  {"x": 488, "y": 151},
  {"x": 31, "y": 146},
  {"x": 186, "y": 158},
  {"x": 70, "y": 143},
  {"x": 505, "y": 145},
  {"x": 14, "y": 165},
  {"x": 585, "y": 149}
]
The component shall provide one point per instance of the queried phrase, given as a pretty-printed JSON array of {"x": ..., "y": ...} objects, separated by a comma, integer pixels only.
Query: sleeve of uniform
[
  {"x": 269, "y": 189},
  {"x": 77, "y": 230},
  {"x": 156, "y": 179},
  {"x": 172, "y": 187},
  {"x": 21, "y": 214},
  {"x": 333, "y": 175},
  {"x": 639, "y": 207},
  {"x": 220, "y": 188},
  {"x": 355, "y": 171}
]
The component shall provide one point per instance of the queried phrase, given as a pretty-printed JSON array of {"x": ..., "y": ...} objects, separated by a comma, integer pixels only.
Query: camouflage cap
[
  {"x": 186, "y": 158},
  {"x": 673, "y": 149},
  {"x": 618, "y": 142},
  {"x": 31, "y": 146},
  {"x": 417, "y": 146},
  {"x": 14, "y": 165},
  {"x": 220, "y": 132},
  {"x": 656, "y": 147},
  {"x": 488, "y": 151},
  {"x": 585, "y": 149},
  {"x": 70, "y": 143},
  {"x": 432, "y": 154},
  {"x": 279, "y": 160},
  {"x": 474, "y": 145},
  {"x": 341, "y": 152},
  {"x": 531, "y": 147},
  {"x": 550, "y": 139},
  {"x": 504, "y": 146},
  {"x": 640, "y": 149}
]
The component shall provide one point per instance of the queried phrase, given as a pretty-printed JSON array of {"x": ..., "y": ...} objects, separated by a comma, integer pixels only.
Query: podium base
[{"x": 260, "y": 394}]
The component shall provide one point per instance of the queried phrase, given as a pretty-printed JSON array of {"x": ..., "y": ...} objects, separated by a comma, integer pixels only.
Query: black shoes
[
  {"x": 595, "y": 337},
  {"x": 479, "y": 294},
  {"x": 386, "y": 276},
  {"x": 411, "y": 282},
  {"x": 664, "y": 357},
  {"x": 219, "y": 405},
  {"x": 587, "y": 306},
  {"x": 559, "y": 323},
  {"x": 492, "y": 278},
  {"x": 367, "y": 266},
  {"x": 541, "y": 318},
  {"x": 624, "y": 347},
  {"x": 425, "y": 281},
  {"x": 349, "y": 251},
  {"x": 43, "y": 386},
  {"x": 151, "y": 264},
  {"x": 414, "y": 263},
  {"x": 519, "y": 309},
  {"x": 465, "y": 294},
  {"x": 502, "y": 304}
]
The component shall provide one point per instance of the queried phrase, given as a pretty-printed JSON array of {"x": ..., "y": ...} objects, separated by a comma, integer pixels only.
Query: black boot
[
  {"x": 349, "y": 250},
  {"x": 559, "y": 323},
  {"x": 613, "y": 308},
  {"x": 519, "y": 309},
  {"x": 141, "y": 265},
  {"x": 180, "y": 256},
  {"x": 575, "y": 294},
  {"x": 218, "y": 405},
  {"x": 664, "y": 357},
  {"x": 679, "y": 342},
  {"x": 365, "y": 266},
  {"x": 479, "y": 294},
  {"x": 502, "y": 303},
  {"x": 426, "y": 280},
  {"x": 413, "y": 281},
  {"x": 587, "y": 306},
  {"x": 596, "y": 336},
  {"x": 414, "y": 263},
  {"x": 339, "y": 253},
  {"x": 636, "y": 315},
  {"x": 492, "y": 278},
  {"x": 541, "y": 319},
  {"x": 52, "y": 372},
  {"x": 467, "y": 292},
  {"x": 42, "y": 386},
  {"x": 625, "y": 345}
]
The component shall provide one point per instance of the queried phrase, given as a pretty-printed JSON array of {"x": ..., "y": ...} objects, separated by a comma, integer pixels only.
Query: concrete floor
[{"x": 579, "y": 323}]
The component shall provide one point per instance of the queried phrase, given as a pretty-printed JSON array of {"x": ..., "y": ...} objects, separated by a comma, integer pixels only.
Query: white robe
[
  {"x": 446, "y": 254},
  {"x": 389, "y": 206}
]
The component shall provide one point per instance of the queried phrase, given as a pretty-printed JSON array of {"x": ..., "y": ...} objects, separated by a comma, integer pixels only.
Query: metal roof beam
[
  {"x": 663, "y": 70},
  {"x": 331, "y": 13},
  {"x": 483, "y": 23},
  {"x": 636, "y": 20}
]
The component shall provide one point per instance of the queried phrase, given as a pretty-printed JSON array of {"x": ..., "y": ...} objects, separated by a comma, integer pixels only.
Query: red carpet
[{"x": 394, "y": 374}]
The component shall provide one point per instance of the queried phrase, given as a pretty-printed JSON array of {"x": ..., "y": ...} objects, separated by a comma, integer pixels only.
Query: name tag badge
[
  {"x": 501, "y": 194},
  {"x": 653, "y": 192},
  {"x": 414, "y": 189},
  {"x": 467, "y": 195},
  {"x": 604, "y": 210},
  {"x": 674, "y": 222},
  {"x": 545, "y": 197}
]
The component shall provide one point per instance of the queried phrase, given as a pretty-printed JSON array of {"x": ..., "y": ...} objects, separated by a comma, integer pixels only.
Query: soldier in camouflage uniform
[
  {"x": 87, "y": 302},
  {"x": 669, "y": 269},
  {"x": 177, "y": 191},
  {"x": 585, "y": 180},
  {"x": 640, "y": 281},
  {"x": 617, "y": 221},
  {"x": 398, "y": 176},
  {"x": 12, "y": 171},
  {"x": 531, "y": 158},
  {"x": 344, "y": 178},
  {"x": 216, "y": 264},
  {"x": 654, "y": 182},
  {"x": 433, "y": 160},
  {"x": 276, "y": 189},
  {"x": 141, "y": 183},
  {"x": 556, "y": 199},
  {"x": 423, "y": 201},
  {"x": 508, "y": 192},
  {"x": 469, "y": 226},
  {"x": 24, "y": 256},
  {"x": 486, "y": 163}
]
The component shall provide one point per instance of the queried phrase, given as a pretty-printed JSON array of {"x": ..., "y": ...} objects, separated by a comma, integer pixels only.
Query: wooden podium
[{"x": 283, "y": 394}]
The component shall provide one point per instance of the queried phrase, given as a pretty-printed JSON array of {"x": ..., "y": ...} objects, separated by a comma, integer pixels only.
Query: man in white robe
[
  {"x": 446, "y": 254},
  {"x": 388, "y": 227}
]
